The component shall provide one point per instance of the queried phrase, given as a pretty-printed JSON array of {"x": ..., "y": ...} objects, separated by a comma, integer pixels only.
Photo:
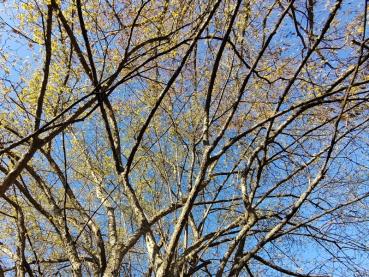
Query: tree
[{"x": 184, "y": 138}]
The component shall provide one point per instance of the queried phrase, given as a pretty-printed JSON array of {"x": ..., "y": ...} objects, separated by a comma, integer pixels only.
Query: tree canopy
[{"x": 184, "y": 138}]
